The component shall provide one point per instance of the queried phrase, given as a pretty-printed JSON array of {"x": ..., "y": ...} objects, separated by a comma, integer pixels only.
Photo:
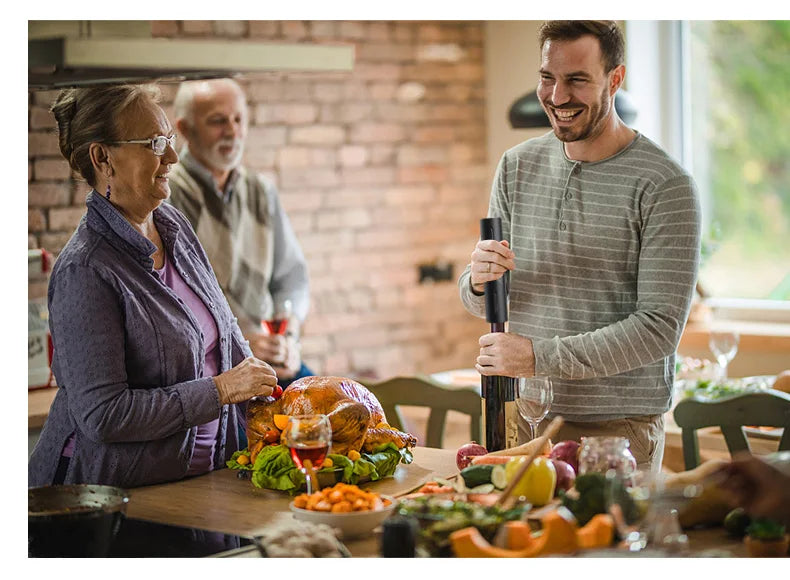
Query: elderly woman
[{"x": 153, "y": 371}]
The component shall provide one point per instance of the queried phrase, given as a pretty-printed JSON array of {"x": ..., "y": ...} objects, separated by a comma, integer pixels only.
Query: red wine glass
[
  {"x": 278, "y": 324},
  {"x": 308, "y": 437}
]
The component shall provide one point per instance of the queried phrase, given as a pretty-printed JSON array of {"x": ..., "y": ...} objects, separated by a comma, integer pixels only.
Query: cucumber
[
  {"x": 482, "y": 488},
  {"x": 499, "y": 476},
  {"x": 475, "y": 475}
]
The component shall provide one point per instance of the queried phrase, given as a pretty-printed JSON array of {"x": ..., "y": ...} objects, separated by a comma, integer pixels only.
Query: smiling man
[
  {"x": 237, "y": 216},
  {"x": 601, "y": 238}
]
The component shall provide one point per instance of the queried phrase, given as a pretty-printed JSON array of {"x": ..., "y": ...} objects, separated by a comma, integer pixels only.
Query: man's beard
[
  {"x": 597, "y": 112},
  {"x": 225, "y": 162}
]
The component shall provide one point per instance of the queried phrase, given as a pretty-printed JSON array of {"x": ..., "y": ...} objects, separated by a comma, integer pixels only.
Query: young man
[
  {"x": 238, "y": 218},
  {"x": 602, "y": 234}
]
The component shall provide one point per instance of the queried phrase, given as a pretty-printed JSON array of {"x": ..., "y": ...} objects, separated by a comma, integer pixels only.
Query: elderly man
[
  {"x": 602, "y": 232},
  {"x": 238, "y": 218}
]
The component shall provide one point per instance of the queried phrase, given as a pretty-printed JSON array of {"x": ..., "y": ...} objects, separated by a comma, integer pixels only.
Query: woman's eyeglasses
[{"x": 158, "y": 144}]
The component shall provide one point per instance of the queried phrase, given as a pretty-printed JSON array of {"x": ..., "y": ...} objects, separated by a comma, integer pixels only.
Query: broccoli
[
  {"x": 765, "y": 529},
  {"x": 591, "y": 498}
]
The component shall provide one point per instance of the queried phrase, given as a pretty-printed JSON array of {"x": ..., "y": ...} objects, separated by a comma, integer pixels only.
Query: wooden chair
[
  {"x": 422, "y": 391},
  {"x": 769, "y": 409}
]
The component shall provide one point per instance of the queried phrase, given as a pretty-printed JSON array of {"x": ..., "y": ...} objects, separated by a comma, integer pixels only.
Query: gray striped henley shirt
[{"x": 606, "y": 262}]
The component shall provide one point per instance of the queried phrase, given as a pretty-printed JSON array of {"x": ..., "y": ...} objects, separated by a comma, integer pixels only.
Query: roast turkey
[{"x": 353, "y": 411}]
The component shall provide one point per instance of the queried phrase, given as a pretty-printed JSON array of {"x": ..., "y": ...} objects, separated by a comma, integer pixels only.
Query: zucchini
[
  {"x": 499, "y": 476},
  {"x": 475, "y": 475}
]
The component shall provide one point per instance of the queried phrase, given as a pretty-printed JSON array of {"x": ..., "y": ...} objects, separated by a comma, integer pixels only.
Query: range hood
[{"x": 84, "y": 53}]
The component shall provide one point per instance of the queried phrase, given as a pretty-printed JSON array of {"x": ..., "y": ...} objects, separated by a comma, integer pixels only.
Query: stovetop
[{"x": 145, "y": 539}]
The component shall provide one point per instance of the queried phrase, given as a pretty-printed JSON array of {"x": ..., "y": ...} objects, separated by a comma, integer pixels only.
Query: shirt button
[
  {"x": 577, "y": 169},
  {"x": 563, "y": 227},
  {"x": 568, "y": 195}
]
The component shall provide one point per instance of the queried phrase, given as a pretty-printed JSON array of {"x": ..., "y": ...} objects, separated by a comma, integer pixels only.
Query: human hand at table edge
[
  {"x": 505, "y": 354},
  {"x": 759, "y": 488},
  {"x": 490, "y": 260},
  {"x": 250, "y": 378}
]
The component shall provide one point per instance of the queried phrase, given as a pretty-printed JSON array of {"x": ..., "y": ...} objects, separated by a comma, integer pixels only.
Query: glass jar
[{"x": 600, "y": 454}]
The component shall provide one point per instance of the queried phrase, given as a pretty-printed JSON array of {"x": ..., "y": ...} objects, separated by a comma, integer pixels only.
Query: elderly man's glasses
[{"x": 158, "y": 144}]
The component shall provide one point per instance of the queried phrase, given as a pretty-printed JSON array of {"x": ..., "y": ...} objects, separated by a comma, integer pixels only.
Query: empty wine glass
[
  {"x": 308, "y": 438},
  {"x": 534, "y": 396},
  {"x": 724, "y": 345}
]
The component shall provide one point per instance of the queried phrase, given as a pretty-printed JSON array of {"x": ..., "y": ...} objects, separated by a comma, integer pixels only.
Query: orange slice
[{"x": 280, "y": 421}]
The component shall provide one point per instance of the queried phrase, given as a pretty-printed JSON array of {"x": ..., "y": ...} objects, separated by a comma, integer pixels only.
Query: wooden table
[
  {"x": 221, "y": 501},
  {"x": 38, "y": 403}
]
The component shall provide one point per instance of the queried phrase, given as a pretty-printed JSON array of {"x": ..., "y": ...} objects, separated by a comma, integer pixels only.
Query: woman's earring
[{"x": 107, "y": 194}]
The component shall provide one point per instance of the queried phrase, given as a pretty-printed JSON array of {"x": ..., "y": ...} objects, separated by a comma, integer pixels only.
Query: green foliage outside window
[{"x": 741, "y": 80}]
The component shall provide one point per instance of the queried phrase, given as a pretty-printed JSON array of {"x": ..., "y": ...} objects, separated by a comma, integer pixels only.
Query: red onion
[
  {"x": 463, "y": 458},
  {"x": 566, "y": 475},
  {"x": 567, "y": 451}
]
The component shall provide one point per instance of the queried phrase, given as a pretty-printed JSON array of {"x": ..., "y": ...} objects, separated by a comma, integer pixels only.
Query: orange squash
[
  {"x": 598, "y": 533},
  {"x": 558, "y": 537}
]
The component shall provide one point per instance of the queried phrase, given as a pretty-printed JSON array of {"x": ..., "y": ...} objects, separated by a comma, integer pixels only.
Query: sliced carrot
[{"x": 490, "y": 459}]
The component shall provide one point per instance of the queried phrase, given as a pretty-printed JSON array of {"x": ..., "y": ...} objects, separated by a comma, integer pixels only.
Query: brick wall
[{"x": 380, "y": 169}]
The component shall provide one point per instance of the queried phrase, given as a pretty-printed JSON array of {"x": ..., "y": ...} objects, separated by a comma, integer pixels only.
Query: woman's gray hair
[{"x": 90, "y": 115}]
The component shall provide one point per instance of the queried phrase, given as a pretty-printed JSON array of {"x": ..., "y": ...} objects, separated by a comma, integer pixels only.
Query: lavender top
[
  {"x": 207, "y": 433},
  {"x": 129, "y": 355}
]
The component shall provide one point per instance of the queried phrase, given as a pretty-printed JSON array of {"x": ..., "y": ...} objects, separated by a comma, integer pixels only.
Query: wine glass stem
[
  {"x": 308, "y": 480},
  {"x": 532, "y": 429}
]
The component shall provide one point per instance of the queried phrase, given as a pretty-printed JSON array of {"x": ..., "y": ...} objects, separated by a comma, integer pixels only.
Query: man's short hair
[
  {"x": 609, "y": 36},
  {"x": 183, "y": 102}
]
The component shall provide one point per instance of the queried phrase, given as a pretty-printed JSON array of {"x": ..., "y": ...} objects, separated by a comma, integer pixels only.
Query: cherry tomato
[
  {"x": 272, "y": 436},
  {"x": 277, "y": 392}
]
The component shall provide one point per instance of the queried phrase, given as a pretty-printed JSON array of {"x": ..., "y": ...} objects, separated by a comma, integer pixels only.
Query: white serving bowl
[{"x": 350, "y": 524}]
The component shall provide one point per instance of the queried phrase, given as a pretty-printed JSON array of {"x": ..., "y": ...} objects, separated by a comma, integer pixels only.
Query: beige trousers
[{"x": 645, "y": 434}]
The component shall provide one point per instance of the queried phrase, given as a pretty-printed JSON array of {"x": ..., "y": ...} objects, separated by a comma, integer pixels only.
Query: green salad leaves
[{"x": 274, "y": 468}]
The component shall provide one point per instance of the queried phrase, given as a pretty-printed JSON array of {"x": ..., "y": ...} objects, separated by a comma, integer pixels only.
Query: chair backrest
[
  {"x": 422, "y": 391},
  {"x": 768, "y": 409}
]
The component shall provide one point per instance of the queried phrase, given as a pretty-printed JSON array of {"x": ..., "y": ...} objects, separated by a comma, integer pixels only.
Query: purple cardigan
[{"x": 128, "y": 354}]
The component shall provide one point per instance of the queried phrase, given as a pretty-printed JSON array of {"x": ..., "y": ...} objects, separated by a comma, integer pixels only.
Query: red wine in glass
[
  {"x": 308, "y": 438},
  {"x": 314, "y": 454},
  {"x": 276, "y": 326},
  {"x": 278, "y": 323}
]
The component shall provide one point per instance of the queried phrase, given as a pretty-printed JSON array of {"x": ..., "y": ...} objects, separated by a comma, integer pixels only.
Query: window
[
  {"x": 715, "y": 95},
  {"x": 738, "y": 128}
]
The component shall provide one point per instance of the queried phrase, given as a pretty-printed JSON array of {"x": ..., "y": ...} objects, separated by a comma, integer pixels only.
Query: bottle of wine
[{"x": 500, "y": 427}]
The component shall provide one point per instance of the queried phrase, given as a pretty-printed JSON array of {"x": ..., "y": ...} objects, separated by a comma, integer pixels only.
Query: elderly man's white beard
[{"x": 226, "y": 162}]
